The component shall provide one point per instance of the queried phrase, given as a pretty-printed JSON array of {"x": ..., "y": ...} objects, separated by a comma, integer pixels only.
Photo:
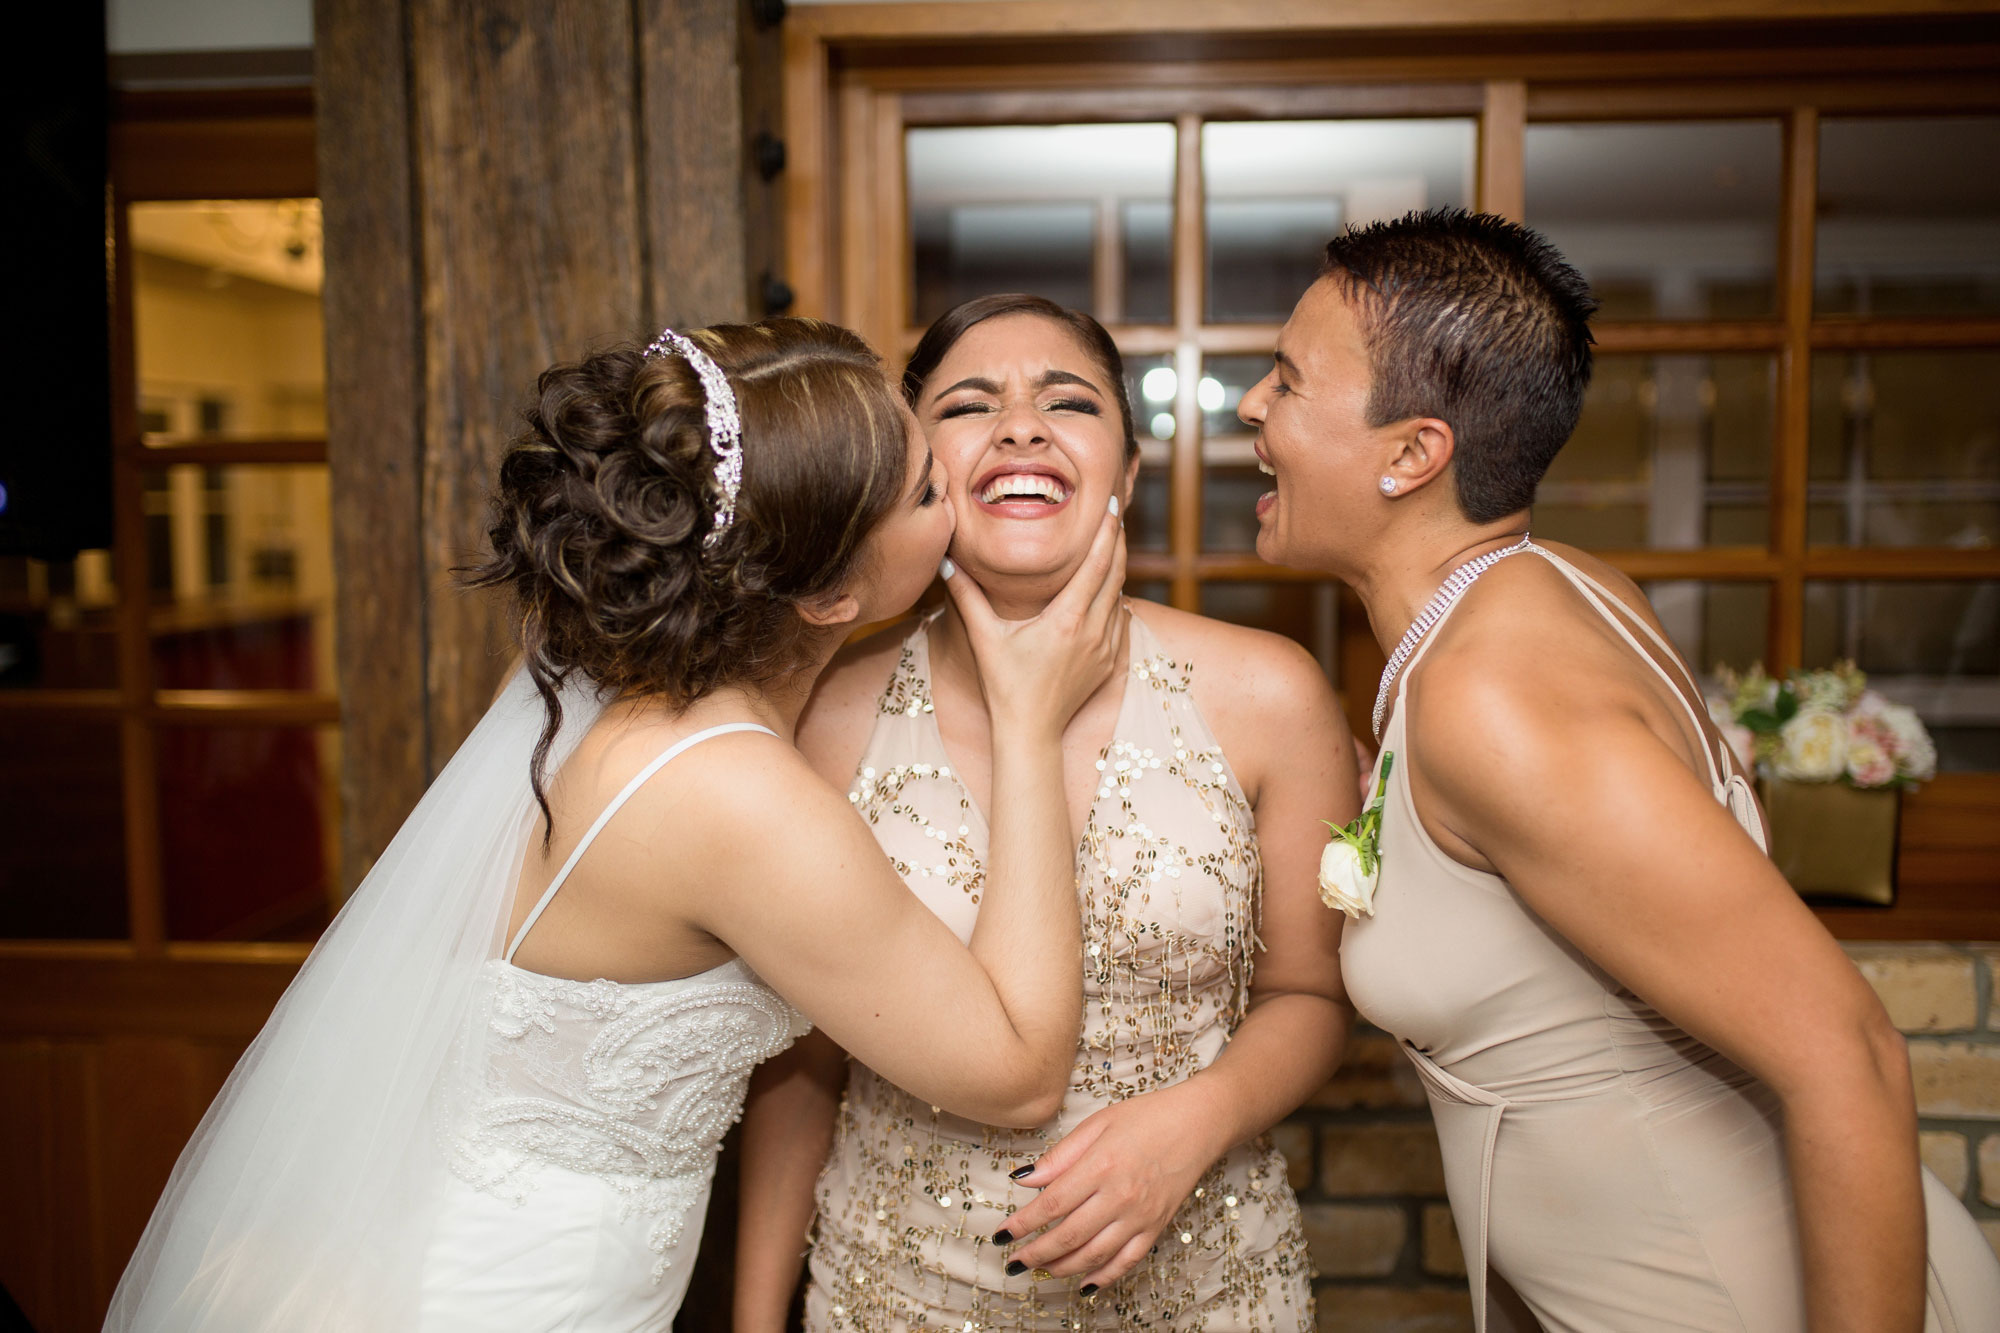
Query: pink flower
[{"x": 1869, "y": 763}]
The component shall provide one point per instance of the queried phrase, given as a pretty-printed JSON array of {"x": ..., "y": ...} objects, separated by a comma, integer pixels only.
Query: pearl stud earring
[{"x": 1388, "y": 485}]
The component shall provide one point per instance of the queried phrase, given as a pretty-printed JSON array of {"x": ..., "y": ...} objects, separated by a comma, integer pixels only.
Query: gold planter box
[{"x": 1832, "y": 840}]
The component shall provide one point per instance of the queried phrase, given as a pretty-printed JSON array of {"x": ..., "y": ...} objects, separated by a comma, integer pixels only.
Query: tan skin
[
  {"x": 1021, "y": 390},
  {"x": 1589, "y": 795},
  {"x": 688, "y": 876}
]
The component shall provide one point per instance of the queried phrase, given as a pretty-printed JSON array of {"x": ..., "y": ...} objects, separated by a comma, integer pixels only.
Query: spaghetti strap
[
  {"x": 1614, "y": 610},
  {"x": 617, "y": 803}
]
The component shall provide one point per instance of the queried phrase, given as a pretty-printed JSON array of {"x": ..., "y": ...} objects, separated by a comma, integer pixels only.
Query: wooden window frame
[
  {"x": 177, "y": 146},
  {"x": 858, "y": 76}
]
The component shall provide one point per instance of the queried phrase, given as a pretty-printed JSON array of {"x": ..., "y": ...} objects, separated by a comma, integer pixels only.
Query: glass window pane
[
  {"x": 241, "y": 565},
  {"x": 1668, "y": 221},
  {"x": 1714, "y": 624},
  {"x": 1277, "y": 191},
  {"x": 1308, "y": 613},
  {"x": 249, "y": 820},
  {"x": 1231, "y": 482},
  {"x": 1933, "y": 646},
  {"x": 226, "y": 311},
  {"x": 1909, "y": 216},
  {"x": 57, "y": 626},
  {"x": 62, "y": 828},
  {"x": 1081, "y": 214},
  {"x": 1906, "y": 449},
  {"x": 1672, "y": 452},
  {"x": 1149, "y": 384}
]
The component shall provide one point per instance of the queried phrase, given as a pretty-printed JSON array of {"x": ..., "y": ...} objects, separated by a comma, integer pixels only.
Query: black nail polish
[
  {"x": 1087, "y": 1289},
  {"x": 1003, "y": 1237},
  {"x": 1020, "y": 1171},
  {"x": 1015, "y": 1268}
]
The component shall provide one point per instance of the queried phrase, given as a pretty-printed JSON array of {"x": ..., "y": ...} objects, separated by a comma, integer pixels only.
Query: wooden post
[
  {"x": 507, "y": 185},
  {"x": 1791, "y": 461},
  {"x": 1503, "y": 128},
  {"x": 374, "y": 419}
]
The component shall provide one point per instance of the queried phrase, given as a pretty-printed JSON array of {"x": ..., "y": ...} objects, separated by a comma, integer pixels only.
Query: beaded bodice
[
  {"x": 633, "y": 1085},
  {"x": 1168, "y": 880}
]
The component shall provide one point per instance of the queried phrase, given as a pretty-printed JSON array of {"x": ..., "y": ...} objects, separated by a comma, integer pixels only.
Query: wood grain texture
[
  {"x": 1014, "y": 17},
  {"x": 1503, "y": 128},
  {"x": 1792, "y": 444},
  {"x": 693, "y": 149},
  {"x": 761, "y": 61},
  {"x": 374, "y": 396},
  {"x": 1190, "y": 308},
  {"x": 529, "y": 228},
  {"x": 138, "y": 751},
  {"x": 90, "y": 1128},
  {"x": 808, "y": 171},
  {"x": 217, "y": 157}
]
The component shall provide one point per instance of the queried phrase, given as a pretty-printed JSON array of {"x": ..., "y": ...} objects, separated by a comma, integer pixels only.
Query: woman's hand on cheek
[
  {"x": 1037, "y": 672},
  {"x": 1108, "y": 1189}
]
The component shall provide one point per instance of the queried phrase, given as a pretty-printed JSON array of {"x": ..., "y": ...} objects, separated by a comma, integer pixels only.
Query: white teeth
[
  {"x": 1024, "y": 485},
  {"x": 1266, "y": 468}
]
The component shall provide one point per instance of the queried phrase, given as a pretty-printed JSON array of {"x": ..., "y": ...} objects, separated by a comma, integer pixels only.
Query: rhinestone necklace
[{"x": 1448, "y": 592}]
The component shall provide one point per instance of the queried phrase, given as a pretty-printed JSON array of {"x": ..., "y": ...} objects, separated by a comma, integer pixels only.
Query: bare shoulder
[
  {"x": 1522, "y": 672},
  {"x": 833, "y": 730},
  {"x": 1269, "y": 670},
  {"x": 1626, "y": 590},
  {"x": 1262, "y": 694}
]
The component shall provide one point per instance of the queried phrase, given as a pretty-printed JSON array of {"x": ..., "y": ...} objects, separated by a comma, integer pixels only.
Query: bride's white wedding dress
[
  {"x": 428, "y": 1137},
  {"x": 584, "y": 1119}
]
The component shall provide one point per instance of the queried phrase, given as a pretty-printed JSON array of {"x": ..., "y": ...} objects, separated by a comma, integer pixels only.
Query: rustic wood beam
[{"x": 374, "y": 401}]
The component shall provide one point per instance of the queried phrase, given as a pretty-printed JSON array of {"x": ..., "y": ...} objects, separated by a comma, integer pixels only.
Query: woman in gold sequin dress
[{"x": 1158, "y": 1203}]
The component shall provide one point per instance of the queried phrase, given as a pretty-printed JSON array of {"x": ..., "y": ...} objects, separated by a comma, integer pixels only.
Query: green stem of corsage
[{"x": 1364, "y": 832}]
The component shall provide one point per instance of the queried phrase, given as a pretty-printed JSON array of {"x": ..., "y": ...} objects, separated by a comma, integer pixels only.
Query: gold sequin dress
[{"x": 1169, "y": 877}]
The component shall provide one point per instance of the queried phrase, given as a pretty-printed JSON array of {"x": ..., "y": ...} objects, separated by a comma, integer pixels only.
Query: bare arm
[
  {"x": 1111, "y": 1185},
  {"x": 1605, "y": 832},
  {"x": 787, "y": 1131}
]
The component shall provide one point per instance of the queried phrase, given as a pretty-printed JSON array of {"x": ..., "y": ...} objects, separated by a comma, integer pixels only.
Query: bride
[{"x": 492, "y": 1097}]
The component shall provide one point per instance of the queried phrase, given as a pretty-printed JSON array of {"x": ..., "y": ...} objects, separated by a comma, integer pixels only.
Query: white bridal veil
[{"x": 301, "y": 1202}]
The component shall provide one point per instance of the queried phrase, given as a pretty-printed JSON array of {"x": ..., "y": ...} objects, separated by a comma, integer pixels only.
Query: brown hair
[
  {"x": 606, "y": 494},
  {"x": 955, "y": 323},
  {"x": 1477, "y": 321}
]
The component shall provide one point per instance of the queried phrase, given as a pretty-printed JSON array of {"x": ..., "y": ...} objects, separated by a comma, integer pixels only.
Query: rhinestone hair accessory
[
  {"x": 725, "y": 426},
  {"x": 1451, "y": 590}
]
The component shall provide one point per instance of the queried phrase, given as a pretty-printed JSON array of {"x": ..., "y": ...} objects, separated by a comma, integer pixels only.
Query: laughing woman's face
[{"x": 1027, "y": 429}]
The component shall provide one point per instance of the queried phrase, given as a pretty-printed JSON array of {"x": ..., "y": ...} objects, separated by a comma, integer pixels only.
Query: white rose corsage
[{"x": 1352, "y": 862}]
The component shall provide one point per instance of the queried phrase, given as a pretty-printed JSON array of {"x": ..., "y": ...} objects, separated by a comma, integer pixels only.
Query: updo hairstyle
[
  {"x": 955, "y": 323},
  {"x": 606, "y": 494}
]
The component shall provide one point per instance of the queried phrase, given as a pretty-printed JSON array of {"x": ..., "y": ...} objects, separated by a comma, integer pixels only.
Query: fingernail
[
  {"x": 946, "y": 568},
  {"x": 1114, "y": 504},
  {"x": 1003, "y": 1237},
  {"x": 1015, "y": 1268},
  {"x": 1020, "y": 1171},
  {"x": 1087, "y": 1289}
]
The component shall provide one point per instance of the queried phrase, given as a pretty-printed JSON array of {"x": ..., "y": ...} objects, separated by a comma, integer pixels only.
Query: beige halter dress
[
  {"x": 1169, "y": 878},
  {"x": 1610, "y": 1170}
]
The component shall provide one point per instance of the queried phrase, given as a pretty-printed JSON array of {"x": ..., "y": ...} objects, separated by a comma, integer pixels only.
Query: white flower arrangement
[{"x": 1823, "y": 726}]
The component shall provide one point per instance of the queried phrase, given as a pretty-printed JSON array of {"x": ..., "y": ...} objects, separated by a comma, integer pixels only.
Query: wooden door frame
[{"x": 856, "y": 76}]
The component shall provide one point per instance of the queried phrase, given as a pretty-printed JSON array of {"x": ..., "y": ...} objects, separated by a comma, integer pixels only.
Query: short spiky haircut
[{"x": 1479, "y": 322}]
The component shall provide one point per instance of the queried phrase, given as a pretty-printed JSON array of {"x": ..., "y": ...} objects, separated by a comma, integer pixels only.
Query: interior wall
[{"x": 143, "y": 26}]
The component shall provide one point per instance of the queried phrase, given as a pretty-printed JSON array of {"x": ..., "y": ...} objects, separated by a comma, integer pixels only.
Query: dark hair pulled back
[
  {"x": 955, "y": 323},
  {"x": 606, "y": 494}
]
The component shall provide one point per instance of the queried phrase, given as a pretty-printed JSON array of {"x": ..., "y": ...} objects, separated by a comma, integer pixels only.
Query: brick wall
[{"x": 1364, "y": 1158}]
